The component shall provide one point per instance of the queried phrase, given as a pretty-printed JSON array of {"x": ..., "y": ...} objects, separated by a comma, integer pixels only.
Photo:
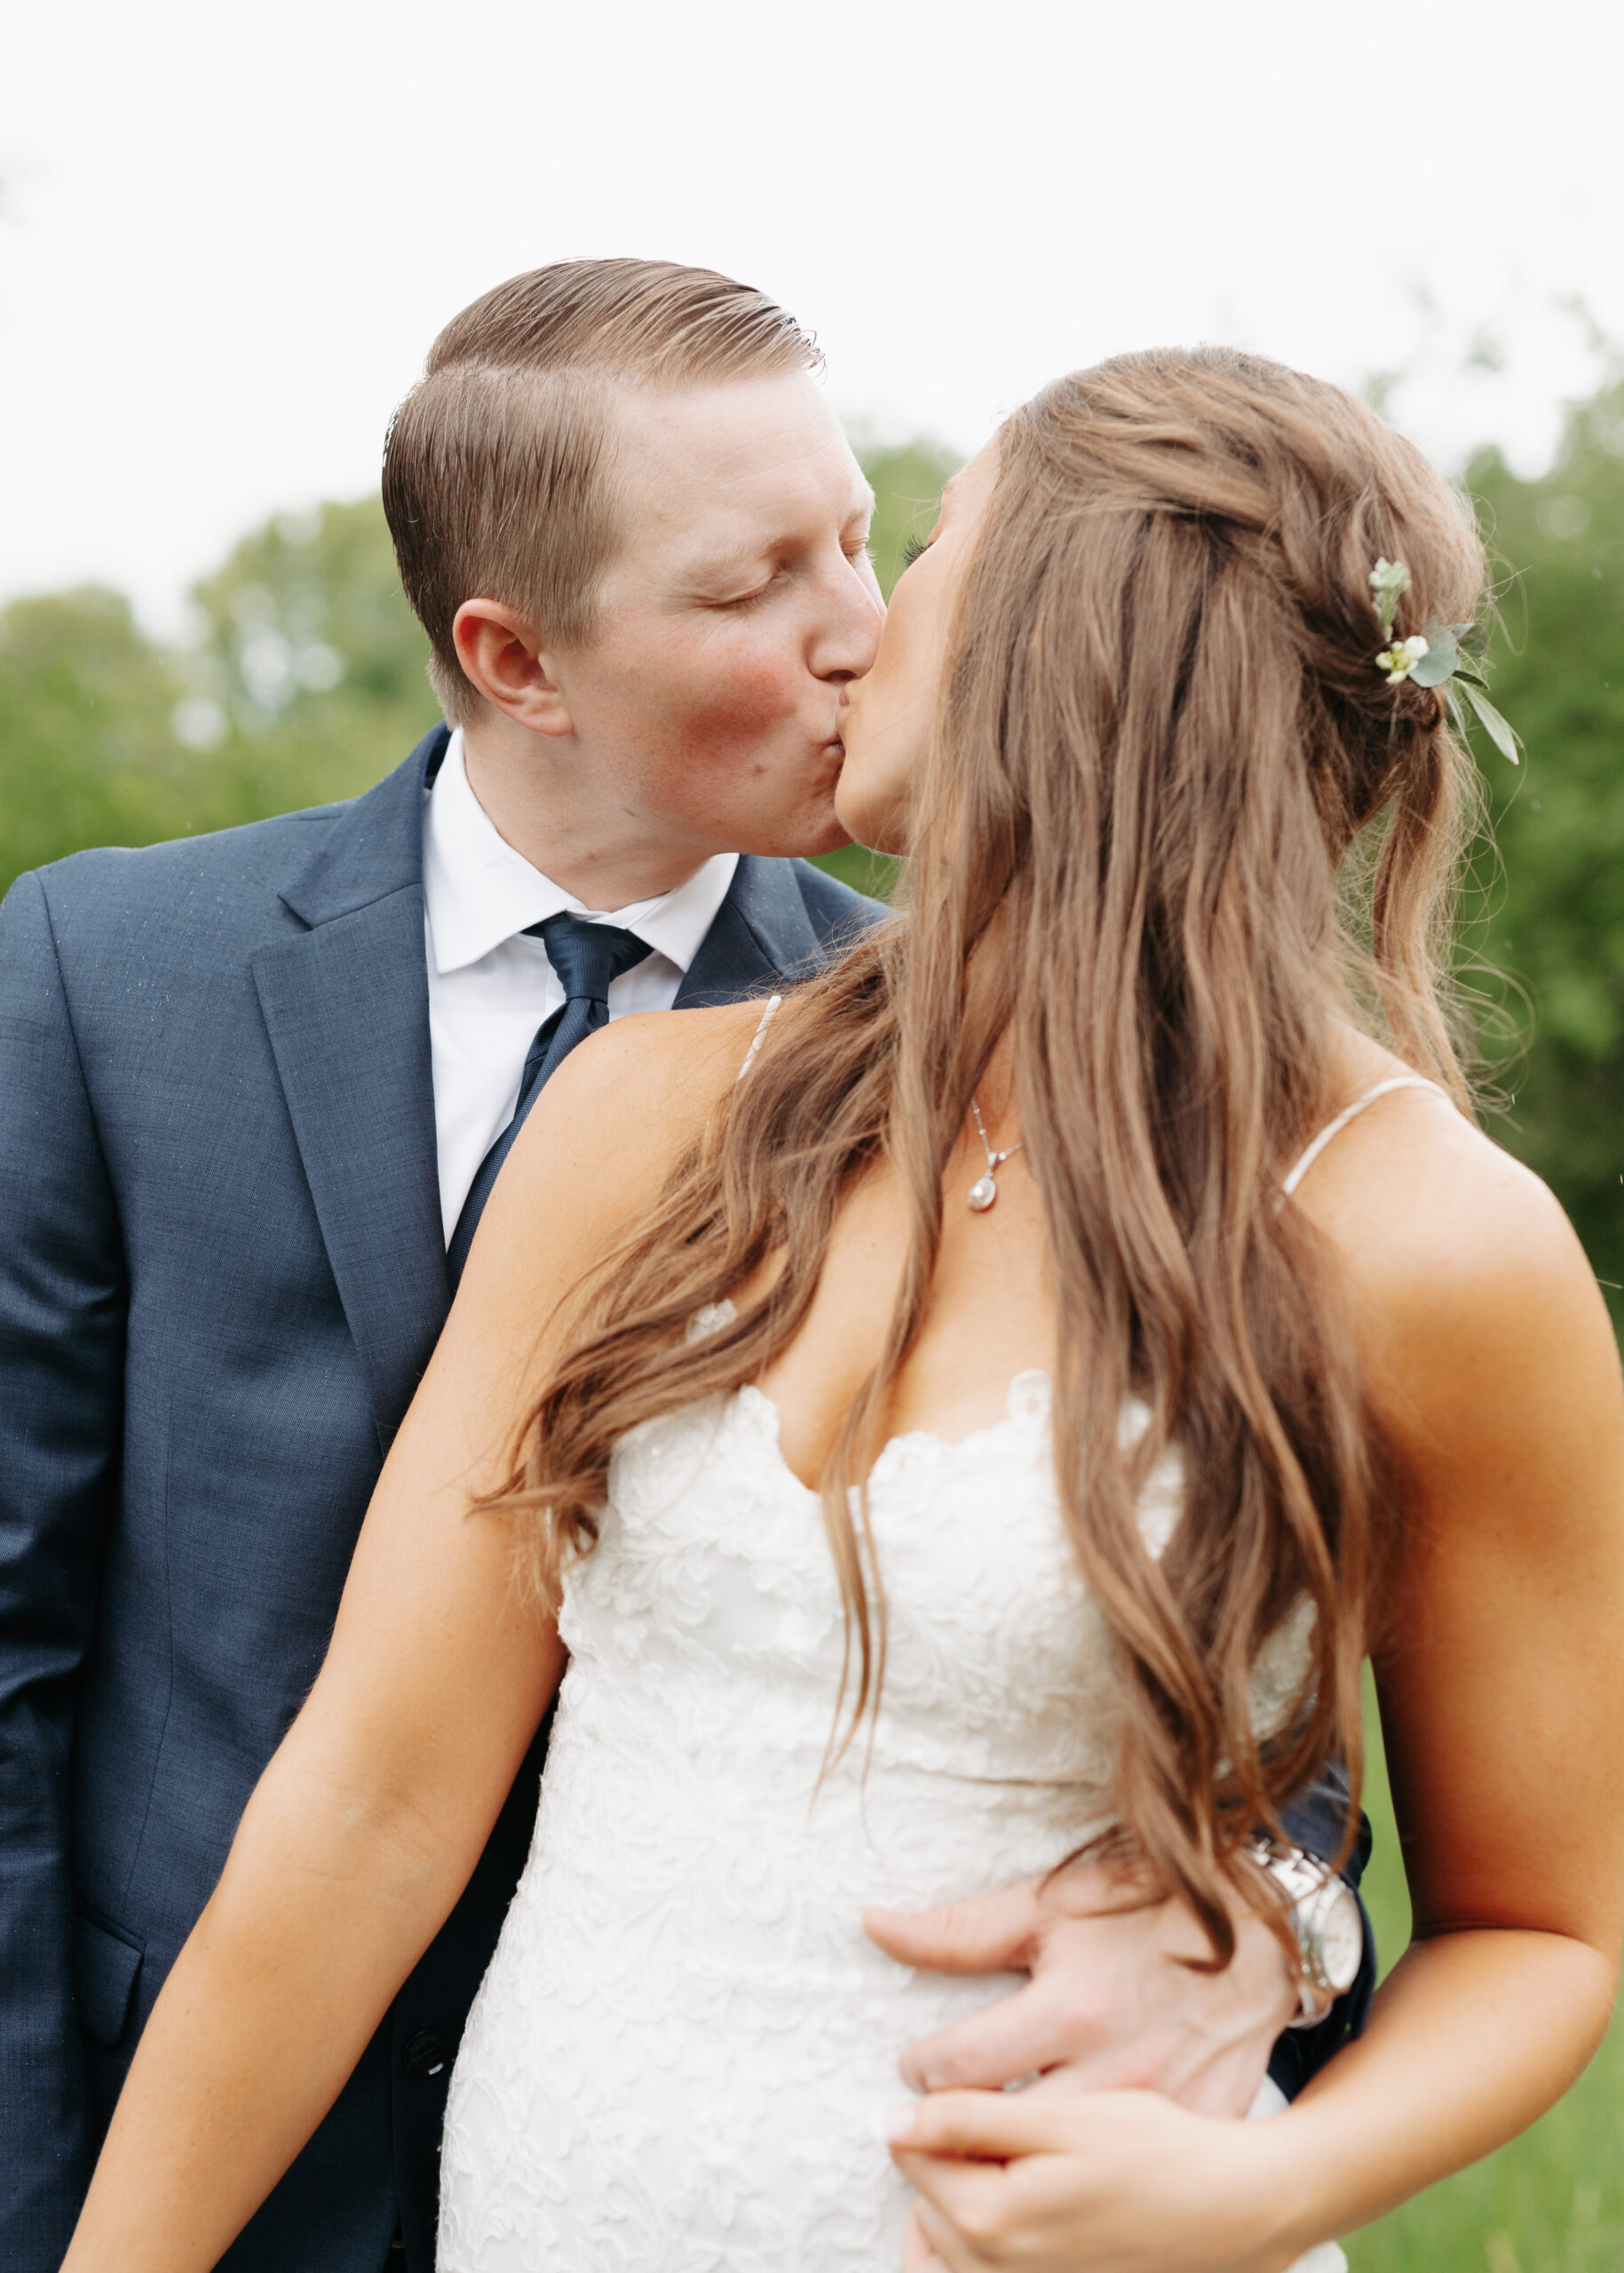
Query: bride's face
[{"x": 885, "y": 718}]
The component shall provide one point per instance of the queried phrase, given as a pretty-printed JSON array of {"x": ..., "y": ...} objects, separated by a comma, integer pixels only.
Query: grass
[{"x": 1553, "y": 2200}]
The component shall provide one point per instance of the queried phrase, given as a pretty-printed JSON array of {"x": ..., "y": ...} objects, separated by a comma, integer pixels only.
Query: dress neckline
[{"x": 1026, "y": 1405}]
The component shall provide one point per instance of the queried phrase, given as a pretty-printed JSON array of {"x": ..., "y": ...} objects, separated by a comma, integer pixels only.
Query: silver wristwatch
[{"x": 1329, "y": 1928}]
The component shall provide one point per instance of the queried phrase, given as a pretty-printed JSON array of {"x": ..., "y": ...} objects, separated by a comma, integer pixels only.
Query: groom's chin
[
  {"x": 800, "y": 836},
  {"x": 830, "y": 838}
]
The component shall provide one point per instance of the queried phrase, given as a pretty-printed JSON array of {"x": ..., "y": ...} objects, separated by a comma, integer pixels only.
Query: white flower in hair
[
  {"x": 1439, "y": 660},
  {"x": 1400, "y": 659},
  {"x": 1390, "y": 580}
]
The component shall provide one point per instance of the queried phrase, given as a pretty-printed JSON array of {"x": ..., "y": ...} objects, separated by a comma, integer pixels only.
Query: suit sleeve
[
  {"x": 62, "y": 1316},
  {"x": 1315, "y": 1820}
]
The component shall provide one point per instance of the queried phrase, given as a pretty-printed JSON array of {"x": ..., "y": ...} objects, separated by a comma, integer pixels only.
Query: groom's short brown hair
[{"x": 496, "y": 477}]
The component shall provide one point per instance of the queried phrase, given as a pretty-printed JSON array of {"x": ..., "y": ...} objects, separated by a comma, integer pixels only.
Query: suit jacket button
[{"x": 428, "y": 2054}]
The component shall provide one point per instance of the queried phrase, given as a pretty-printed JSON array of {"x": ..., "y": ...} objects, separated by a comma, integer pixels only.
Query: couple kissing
[{"x": 614, "y": 1624}]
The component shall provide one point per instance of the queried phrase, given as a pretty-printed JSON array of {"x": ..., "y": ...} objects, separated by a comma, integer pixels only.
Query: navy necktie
[{"x": 588, "y": 958}]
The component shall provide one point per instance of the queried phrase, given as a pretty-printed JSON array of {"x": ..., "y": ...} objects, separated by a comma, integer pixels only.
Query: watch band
[{"x": 1317, "y": 1896}]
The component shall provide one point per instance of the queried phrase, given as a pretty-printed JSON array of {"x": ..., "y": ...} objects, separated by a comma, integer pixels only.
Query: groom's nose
[{"x": 849, "y": 631}]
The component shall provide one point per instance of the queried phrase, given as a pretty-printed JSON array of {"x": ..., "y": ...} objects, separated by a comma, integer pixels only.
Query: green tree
[
  {"x": 306, "y": 684},
  {"x": 1557, "y": 920},
  {"x": 309, "y": 677},
  {"x": 87, "y": 754}
]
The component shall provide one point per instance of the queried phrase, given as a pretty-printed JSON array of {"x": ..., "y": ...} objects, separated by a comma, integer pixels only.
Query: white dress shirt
[{"x": 490, "y": 988}]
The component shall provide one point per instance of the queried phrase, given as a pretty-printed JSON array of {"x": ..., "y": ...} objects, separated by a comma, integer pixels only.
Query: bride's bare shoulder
[
  {"x": 1472, "y": 1283},
  {"x": 619, "y": 1114},
  {"x": 1417, "y": 1196},
  {"x": 680, "y": 1063}
]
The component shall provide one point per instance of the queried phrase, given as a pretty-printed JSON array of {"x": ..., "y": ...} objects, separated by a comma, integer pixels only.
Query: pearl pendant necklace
[{"x": 983, "y": 1191}]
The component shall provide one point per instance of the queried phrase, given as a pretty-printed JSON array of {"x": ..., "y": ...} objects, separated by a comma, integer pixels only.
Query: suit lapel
[
  {"x": 762, "y": 934},
  {"x": 346, "y": 1006}
]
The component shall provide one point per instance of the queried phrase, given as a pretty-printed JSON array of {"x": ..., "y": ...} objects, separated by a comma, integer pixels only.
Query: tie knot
[{"x": 587, "y": 957}]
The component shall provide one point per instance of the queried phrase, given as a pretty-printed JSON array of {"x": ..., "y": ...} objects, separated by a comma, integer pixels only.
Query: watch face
[{"x": 1344, "y": 1940}]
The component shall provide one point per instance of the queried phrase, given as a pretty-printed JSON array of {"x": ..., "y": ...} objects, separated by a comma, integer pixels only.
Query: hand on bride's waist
[
  {"x": 1117, "y": 2181},
  {"x": 1108, "y": 2003}
]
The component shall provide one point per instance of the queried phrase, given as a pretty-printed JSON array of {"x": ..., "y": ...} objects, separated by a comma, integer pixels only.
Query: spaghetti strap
[
  {"x": 1306, "y": 1159},
  {"x": 749, "y": 1055}
]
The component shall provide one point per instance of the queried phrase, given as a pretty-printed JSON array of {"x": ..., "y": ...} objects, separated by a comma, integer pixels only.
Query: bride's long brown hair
[{"x": 1171, "y": 815}]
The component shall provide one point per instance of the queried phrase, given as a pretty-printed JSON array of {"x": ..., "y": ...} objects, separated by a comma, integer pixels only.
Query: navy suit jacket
[{"x": 222, "y": 1273}]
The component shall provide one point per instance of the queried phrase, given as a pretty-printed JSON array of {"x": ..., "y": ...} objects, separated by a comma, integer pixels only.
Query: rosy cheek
[{"x": 729, "y": 731}]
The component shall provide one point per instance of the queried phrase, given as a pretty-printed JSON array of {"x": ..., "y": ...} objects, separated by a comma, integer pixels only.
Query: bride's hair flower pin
[
  {"x": 1399, "y": 661},
  {"x": 1435, "y": 658},
  {"x": 1390, "y": 580}
]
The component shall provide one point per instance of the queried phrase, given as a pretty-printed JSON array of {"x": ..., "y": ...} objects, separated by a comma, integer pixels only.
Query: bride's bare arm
[
  {"x": 1501, "y": 1685},
  {"x": 369, "y": 1818}
]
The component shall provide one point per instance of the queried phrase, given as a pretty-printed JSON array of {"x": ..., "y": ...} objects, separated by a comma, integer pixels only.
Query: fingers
[
  {"x": 918, "y": 2255},
  {"x": 959, "y": 2205},
  {"x": 1018, "y": 2036},
  {"x": 986, "y": 2127},
  {"x": 994, "y": 1933},
  {"x": 946, "y": 2246}
]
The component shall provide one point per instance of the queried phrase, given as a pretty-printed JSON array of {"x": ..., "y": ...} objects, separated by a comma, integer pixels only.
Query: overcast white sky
[{"x": 231, "y": 232}]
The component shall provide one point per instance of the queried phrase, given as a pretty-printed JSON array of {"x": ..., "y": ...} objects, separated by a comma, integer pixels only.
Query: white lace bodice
[{"x": 679, "y": 2060}]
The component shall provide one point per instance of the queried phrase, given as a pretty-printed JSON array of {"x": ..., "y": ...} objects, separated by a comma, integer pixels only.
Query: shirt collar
[{"x": 479, "y": 891}]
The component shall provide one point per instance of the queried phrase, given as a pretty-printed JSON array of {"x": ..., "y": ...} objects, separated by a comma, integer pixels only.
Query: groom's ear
[{"x": 503, "y": 656}]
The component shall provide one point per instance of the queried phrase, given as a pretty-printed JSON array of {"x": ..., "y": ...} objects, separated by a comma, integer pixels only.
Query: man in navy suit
[{"x": 255, "y": 1088}]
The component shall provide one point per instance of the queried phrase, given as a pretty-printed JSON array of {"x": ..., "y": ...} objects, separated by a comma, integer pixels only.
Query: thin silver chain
[
  {"x": 994, "y": 1159},
  {"x": 983, "y": 1191}
]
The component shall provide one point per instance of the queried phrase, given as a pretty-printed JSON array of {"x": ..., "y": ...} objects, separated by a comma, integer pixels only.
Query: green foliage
[
  {"x": 908, "y": 485},
  {"x": 307, "y": 685},
  {"x": 306, "y": 622},
  {"x": 86, "y": 753},
  {"x": 311, "y": 659},
  {"x": 1558, "y": 924}
]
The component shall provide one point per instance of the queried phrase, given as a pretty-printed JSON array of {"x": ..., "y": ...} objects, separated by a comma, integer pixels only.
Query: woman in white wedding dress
[{"x": 992, "y": 1425}]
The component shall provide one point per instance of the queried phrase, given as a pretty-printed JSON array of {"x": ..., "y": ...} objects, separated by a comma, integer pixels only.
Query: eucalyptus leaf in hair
[
  {"x": 1499, "y": 731},
  {"x": 1445, "y": 665},
  {"x": 1434, "y": 658},
  {"x": 1440, "y": 661}
]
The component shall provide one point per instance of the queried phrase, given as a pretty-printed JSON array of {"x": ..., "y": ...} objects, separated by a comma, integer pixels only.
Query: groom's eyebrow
[
  {"x": 718, "y": 571},
  {"x": 705, "y": 571}
]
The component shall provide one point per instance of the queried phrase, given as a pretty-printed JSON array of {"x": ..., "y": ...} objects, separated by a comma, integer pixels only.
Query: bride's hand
[{"x": 1110, "y": 2181}]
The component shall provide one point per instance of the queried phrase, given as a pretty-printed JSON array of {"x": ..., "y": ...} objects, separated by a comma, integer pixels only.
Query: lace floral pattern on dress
[{"x": 680, "y": 2057}]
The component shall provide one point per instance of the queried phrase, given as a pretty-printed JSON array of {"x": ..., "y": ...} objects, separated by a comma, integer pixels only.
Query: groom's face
[{"x": 742, "y": 603}]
